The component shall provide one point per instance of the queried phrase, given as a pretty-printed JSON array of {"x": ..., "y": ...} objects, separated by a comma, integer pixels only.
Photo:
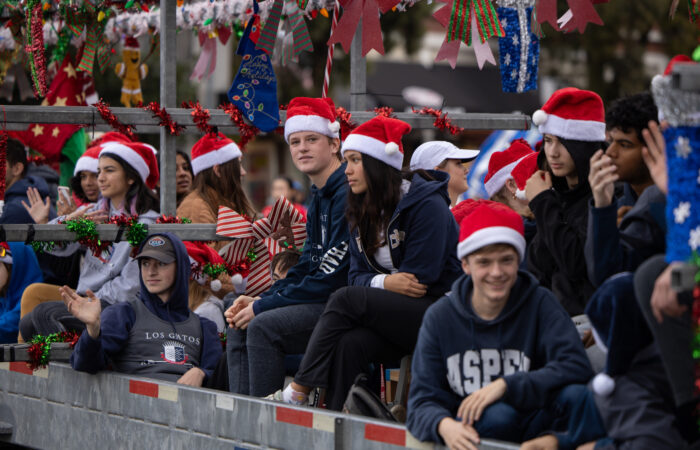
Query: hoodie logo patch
[
  {"x": 174, "y": 353},
  {"x": 396, "y": 237},
  {"x": 156, "y": 242}
]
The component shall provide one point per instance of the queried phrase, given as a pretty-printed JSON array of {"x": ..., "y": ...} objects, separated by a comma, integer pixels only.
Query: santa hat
[
  {"x": 131, "y": 43},
  {"x": 213, "y": 149},
  {"x": 501, "y": 164},
  {"x": 88, "y": 161},
  {"x": 522, "y": 172},
  {"x": 683, "y": 59},
  {"x": 572, "y": 113},
  {"x": 311, "y": 114},
  {"x": 380, "y": 138},
  {"x": 139, "y": 156},
  {"x": 5, "y": 253},
  {"x": 200, "y": 255},
  {"x": 484, "y": 222},
  {"x": 618, "y": 328},
  {"x": 110, "y": 136}
]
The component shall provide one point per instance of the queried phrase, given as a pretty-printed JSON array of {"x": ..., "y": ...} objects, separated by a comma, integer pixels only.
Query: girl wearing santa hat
[
  {"x": 216, "y": 164},
  {"x": 572, "y": 122},
  {"x": 127, "y": 175},
  {"x": 403, "y": 257}
]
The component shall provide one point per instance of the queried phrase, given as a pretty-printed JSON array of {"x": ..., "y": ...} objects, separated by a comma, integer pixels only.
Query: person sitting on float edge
[
  {"x": 155, "y": 335},
  {"x": 498, "y": 357}
]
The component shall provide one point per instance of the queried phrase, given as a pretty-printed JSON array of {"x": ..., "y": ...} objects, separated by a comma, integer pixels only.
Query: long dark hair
[
  {"x": 77, "y": 188},
  {"x": 139, "y": 198},
  {"x": 371, "y": 211},
  {"x": 226, "y": 190}
]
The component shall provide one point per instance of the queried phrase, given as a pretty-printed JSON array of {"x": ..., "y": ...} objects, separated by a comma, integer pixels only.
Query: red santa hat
[
  {"x": 139, "y": 156},
  {"x": 131, "y": 43},
  {"x": 682, "y": 59},
  {"x": 110, "y": 136},
  {"x": 502, "y": 163},
  {"x": 88, "y": 161},
  {"x": 522, "y": 172},
  {"x": 380, "y": 138},
  {"x": 200, "y": 255},
  {"x": 311, "y": 114},
  {"x": 484, "y": 222},
  {"x": 572, "y": 113},
  {"x": 213, "y": 149}
]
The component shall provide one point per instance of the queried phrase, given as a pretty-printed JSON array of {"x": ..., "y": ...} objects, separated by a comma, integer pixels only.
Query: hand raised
[
  {"x": 654, "y": 155},
  {"x": 37, "y": 209},
  {"x": 86, "y": 309},
  {"x": 602, "y": 178}
]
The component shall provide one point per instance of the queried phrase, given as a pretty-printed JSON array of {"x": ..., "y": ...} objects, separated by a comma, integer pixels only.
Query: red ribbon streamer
[{"x": 109, "y": 117}]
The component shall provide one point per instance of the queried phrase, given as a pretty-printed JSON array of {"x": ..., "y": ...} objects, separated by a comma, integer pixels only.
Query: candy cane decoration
[{"x": 329, "y": 58}]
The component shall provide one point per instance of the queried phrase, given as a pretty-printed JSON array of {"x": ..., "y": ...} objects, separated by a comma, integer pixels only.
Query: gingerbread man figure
[{"x": 131, "y": 72}]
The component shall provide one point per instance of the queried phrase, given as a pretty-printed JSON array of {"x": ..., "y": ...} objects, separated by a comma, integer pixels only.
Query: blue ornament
[
  {"x": 254, "y": 90},
  {"x": 519, "y": 48}
]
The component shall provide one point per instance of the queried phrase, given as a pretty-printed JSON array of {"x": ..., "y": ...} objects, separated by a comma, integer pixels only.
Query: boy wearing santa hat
[
  {"x": 498, "y": 357},
  {"x": 263, "y": 330}
]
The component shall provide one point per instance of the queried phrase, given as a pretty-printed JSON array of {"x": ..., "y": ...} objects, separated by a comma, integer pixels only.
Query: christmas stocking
[{"x": 254, "y": 90}]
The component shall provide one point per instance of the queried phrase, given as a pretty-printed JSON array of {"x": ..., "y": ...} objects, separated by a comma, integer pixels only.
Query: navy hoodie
[
  {"x": 422, "y": 236},
  {"x": 91, "y": 355},
  {"x": 14, "y": 211},
  {"x": 532, "y": 344},
  {"x": 323, "y": 266}
]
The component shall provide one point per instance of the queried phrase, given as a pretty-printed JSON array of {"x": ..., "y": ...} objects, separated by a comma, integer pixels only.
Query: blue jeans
[
  {"x": 572, "y": 417},
  {"x": 256, "y": 356}
]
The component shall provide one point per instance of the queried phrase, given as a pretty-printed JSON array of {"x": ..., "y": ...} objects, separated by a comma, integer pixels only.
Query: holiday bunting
[
  {"x": 353, "y": 11},
  {"x": 519, "y": 49}
]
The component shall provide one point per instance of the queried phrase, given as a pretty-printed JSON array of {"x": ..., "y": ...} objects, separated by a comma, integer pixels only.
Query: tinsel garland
[
  {"x": 346, "y": 124},
  {"x": 165, "y": 120},
  {"x": 42, "y": 246},
  {"x": 135, "y": 232},
  {"x": 245, "y": 130},
  {"x": 59, "y": 52},
  {"x": 40, "y": 349},
  {"x": 200, "y": 116},
  {"x": 441, "y": 121},
  {"x": 86, "y": 231},
  {"x": 109, "y": 117},
  {"x": 214, "y": 270},
  {"x": 385, "y": 111},
  {"x": 35, "y": 47},
  {"x": 172, "y": 219}
]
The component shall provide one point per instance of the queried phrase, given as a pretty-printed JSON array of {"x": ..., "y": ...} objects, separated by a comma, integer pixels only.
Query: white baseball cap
[{"x": 432, "y": 153}]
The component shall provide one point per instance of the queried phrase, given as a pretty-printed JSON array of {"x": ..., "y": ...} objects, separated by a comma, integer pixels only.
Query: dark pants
[
  {"x": 48, "y": 318},
  {"x": 673, "y": 337},
  {"x": 572, "y": 409},
  {"x": 359, "y": 326}
]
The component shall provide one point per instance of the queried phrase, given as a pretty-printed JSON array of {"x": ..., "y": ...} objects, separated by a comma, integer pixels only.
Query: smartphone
[{"x": 64, "y": 191}]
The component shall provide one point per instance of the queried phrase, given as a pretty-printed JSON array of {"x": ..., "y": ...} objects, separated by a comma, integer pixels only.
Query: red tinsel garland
[
  {"x": 36, "y": 28},
  {"x": 39, "y": 350},
  {"x": 109, "y": 117},
  {"x": 3, "y": 161},
  {"x": 165, "y": 120},
  {"x": 385, "y": 111},
  {"x": 172, "y": 219},
  {"x": 441, "y": 120},
  {"x": 346, "y": 124},
  {"x": 200, "y": 116},
  {"x": 246, "y": 131}
]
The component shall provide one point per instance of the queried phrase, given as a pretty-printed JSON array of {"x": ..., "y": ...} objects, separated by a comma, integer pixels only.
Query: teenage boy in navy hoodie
[
  {"x": 280, "y": 322},
  {"x": 623, "y": 233},
  {"x": 498, "y": 357},
  {"x": 156, "y": 335}
]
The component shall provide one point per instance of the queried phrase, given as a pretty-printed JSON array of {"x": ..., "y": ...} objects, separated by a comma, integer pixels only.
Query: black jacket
[{"x": 556, "y": 254}]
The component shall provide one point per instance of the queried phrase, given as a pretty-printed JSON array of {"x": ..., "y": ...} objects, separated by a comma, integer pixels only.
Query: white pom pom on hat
[
  {"x": 334, "y": 127},
  {"x": 380, "y": 138},
  {"x": 237, "y": 279},
  {"x": 603, "y": 384},
  {"x": 215, "y": 285},
  {"x": 539, "y": 117},
  {"x": 391, "y": 148}
]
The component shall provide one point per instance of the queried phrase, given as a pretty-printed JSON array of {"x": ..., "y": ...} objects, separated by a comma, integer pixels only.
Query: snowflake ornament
[
  {"x": 506, "y": 60},
  {"x": 516, "y": 41},
  {"x": 504, "y": 22},
  {"x": 694, "y": 240},
  {"x": 683, "y": 147},
  {"x": 681, "y": 212}
]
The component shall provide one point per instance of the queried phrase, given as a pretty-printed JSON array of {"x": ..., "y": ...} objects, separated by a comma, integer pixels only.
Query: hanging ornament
[
  {"x": 353, "y": 11},
  {"x": 206, "y": 64},
  {"x": 35, "y": 46},
  {"x": 681, "y": 109},
  {"x": 579, "y": 15},
  {"x": 93, "y": 37},
  {"x": 131, "y": 72},
  {"x": 329, "y": 55},
  {"x": 268, "y": 34},
  {"x": 254, "y": 89},
  {"x": 296, "y": 36},
  {"x": 519, "y": 48}
]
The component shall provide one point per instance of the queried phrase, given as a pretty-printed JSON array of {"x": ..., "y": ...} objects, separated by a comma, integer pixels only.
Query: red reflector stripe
[
  {"x": 21, "y": 367},
  {"x": 295, "y": 417},
  {"x": 388, "y": 435},
  {"x": 143, "y": 388}
]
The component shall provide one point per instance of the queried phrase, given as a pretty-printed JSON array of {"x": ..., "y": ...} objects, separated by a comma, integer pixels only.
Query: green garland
[{"x": 214, "y": 270}]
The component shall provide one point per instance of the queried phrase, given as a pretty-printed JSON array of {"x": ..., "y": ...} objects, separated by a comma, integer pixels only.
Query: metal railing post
[
  {"x": 358, "y": 73},
  {"x": 168, "y": 99}
]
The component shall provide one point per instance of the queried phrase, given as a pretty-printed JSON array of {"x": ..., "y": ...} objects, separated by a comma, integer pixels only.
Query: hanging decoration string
[
  {"x": 35, "y": 47},
  {"x": 329, "y": 56}
]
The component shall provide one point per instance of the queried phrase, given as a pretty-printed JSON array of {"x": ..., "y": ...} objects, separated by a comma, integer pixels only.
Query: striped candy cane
[{"x": 329, "y": 59}]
